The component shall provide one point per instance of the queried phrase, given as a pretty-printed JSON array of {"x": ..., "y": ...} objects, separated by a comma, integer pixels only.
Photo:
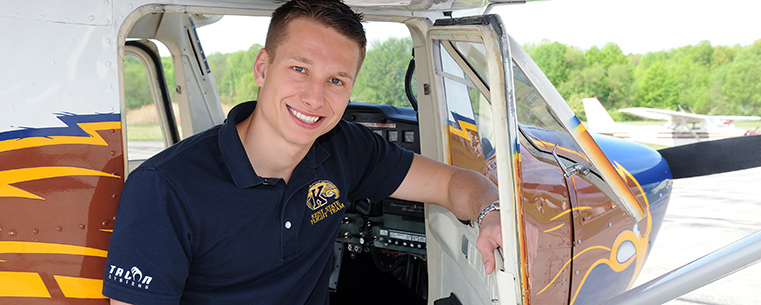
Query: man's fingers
[
  {"x": 486, "y": 247},
  {"x": 489, "y": 239}
]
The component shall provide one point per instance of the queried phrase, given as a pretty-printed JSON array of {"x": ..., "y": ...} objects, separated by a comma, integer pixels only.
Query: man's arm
[
  {"x": 464, "y": 192},
  {"x": 115, "y": 302}
]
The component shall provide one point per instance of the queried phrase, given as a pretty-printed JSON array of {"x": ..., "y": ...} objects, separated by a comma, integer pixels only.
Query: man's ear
[{"x": 260, "y": 67}]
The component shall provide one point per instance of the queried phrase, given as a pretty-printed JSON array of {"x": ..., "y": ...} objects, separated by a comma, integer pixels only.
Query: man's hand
[
  {"x": 463, "y": 192},
  {"x": 489, "y": 239}
]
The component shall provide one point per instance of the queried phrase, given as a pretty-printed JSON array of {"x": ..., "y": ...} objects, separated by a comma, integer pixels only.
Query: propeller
[{"x": 713, "y": 157}]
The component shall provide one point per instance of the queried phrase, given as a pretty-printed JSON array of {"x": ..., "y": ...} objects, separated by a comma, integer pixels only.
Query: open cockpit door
[
  {"x": 484, "y": 103},
  {"x": 471, "y": 99}
]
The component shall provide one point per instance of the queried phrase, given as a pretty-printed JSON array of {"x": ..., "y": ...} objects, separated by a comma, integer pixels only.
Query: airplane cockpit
[{"x": 387, "y": 241}]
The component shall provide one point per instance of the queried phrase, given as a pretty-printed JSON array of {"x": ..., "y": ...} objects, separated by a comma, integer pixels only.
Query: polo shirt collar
[{"x": 236, "y": 159}]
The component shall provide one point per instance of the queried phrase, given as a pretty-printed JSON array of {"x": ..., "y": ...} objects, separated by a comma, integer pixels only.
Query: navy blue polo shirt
[{"x": 197, "y": 225}]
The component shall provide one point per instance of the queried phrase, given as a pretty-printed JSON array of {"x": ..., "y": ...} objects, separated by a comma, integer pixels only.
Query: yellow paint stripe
[
  {"x": 22, "y": 284},
  {"x": 12, "y": 176},
  {"x": 569, "y": 211},
  {"x": 90, "y": 128},
  {"x": 107, "y": 230},
  {"x": 568, "y": 262},
  {"x": 48, "y": 248},
  {"x": 555, "y": 228},
  {"x": 80, "y": 288}
]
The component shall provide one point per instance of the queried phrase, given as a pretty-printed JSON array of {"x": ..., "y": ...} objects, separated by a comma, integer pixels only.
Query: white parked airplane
[{"x": 680, "y": 127}]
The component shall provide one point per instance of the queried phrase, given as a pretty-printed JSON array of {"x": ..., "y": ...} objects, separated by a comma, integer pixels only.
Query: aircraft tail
[{"x": 598, "y": 119}]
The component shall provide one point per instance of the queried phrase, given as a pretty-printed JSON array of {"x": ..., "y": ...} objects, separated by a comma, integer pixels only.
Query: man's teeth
[{"x": 303, "y": 117}]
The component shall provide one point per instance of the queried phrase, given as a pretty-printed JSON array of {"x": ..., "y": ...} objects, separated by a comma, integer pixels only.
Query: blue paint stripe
[{"x": 71, "y": 128}]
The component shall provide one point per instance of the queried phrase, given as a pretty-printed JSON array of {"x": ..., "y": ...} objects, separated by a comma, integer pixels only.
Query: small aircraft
[
  {"x": 680, "y": 127},
  {"x": 579, "y": 213}
]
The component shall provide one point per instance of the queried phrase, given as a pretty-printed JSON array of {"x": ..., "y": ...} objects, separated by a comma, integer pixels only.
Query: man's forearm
[{"x": 469, "y": 193}]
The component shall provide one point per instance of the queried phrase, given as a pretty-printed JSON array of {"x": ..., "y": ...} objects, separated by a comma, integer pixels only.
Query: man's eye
[
  {"x": 336, "y": 81},
  {"x": 299, "y": 69}
]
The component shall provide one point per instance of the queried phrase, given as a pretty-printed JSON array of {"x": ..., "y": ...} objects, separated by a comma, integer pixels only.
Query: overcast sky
[{"x": 638, "y": 27}]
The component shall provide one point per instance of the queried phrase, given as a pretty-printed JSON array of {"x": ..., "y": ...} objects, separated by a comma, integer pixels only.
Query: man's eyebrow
[
  {"x": 346, "y": 74},
  {"x": 302, "y": 59}
]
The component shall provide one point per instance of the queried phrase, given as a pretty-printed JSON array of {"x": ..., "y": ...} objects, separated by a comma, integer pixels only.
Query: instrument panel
[{"x": 382, "y": 242}]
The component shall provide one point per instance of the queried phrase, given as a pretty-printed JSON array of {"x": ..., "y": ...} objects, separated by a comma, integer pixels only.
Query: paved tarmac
[
  {"x": 141, "y": 150},
  {"x": 705, "y": 214}
]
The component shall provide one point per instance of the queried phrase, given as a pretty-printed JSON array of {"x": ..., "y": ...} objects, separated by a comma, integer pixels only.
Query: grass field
[
  {"x": 144, "y": 132},
  {"x": 143, "y": 123}
]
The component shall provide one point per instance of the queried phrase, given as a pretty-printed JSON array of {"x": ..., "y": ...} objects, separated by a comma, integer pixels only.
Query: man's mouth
[{"x": 303, "y": 117}]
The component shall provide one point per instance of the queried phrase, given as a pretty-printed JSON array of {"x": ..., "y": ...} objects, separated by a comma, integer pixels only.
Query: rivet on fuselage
[
  {"x": 82, "y": 226},
  {"x": 59, "y": 228},
  {"x": 35, "y": 231},
  {"x": 12, "y": 233}
]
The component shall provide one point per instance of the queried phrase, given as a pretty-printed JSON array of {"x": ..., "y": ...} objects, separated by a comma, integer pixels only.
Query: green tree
[
  {"x": 743, "y": 87},
  {"x": 381, "y": 79},
  {"x": 556, "y": 60},
  {"x": 234, "y": 74},
  {"x": 618, "y": 84},
  {"x": 657, "y": 88},
  {"x": 609, "y": 55},
  {"x": 721, "y": 55},
  {"x": 168, "y": 65},
  {"x": 137, "y": 90}
]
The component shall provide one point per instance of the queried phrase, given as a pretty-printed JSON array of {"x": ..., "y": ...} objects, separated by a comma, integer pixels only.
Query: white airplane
[
  {"x": 579, "y": 214},
  {"x": 680, "y": 127}
]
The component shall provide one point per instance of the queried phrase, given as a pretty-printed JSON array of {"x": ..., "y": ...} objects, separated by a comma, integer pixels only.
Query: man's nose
[{"x": 313, "y": 94}]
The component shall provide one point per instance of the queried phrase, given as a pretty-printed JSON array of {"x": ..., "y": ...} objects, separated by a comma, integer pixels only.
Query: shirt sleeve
[
  {"x": 377, "y": 167},
  {"x": 149, "y": 250}
]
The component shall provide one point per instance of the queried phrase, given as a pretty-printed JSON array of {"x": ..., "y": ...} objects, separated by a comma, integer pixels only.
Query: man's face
[{"x": 304, "y": 90}]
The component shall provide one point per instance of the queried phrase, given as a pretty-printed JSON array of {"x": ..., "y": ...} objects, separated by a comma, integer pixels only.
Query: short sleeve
[
  {"x": 149, "y": 251},
  {"x": 376, "y": 167}
]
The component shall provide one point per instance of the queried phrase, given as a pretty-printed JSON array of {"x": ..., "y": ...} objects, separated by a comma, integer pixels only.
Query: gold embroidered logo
[{"x": 319, "y": 192}]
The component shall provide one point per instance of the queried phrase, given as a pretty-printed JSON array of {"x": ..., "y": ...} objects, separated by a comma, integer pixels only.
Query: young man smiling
[{"x": 248, "y": 211}]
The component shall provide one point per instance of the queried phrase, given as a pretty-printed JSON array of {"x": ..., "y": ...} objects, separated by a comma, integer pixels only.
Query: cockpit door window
[{"x": 472, "y": 90}]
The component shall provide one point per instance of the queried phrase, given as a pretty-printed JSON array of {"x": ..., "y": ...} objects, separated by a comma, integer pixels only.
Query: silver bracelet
[{"x": 494, "y": 206}]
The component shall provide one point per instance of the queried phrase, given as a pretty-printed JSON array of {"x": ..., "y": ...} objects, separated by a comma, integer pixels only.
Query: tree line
[{"x": 704, "y": 78}]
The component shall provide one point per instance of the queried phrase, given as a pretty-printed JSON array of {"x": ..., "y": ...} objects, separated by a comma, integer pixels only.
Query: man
[{"x": 248, "y": 211}]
